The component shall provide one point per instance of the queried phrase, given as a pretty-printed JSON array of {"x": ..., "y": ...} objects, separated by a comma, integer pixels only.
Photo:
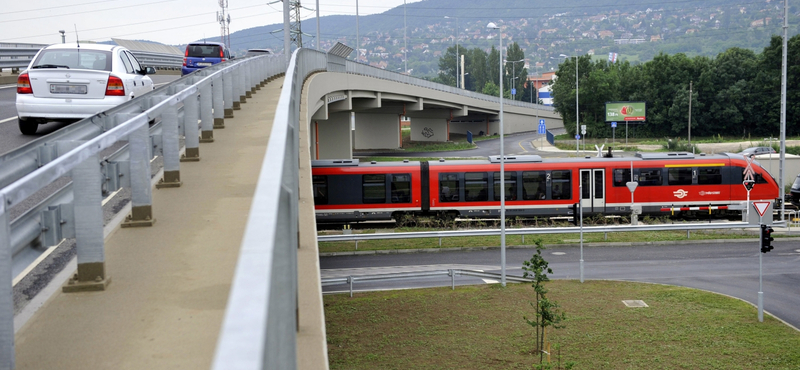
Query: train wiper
[{"x": 49, "y": 66}]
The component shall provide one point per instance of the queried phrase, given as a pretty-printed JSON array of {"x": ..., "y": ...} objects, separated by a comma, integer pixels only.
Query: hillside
[{"x": 636, "y": 31}]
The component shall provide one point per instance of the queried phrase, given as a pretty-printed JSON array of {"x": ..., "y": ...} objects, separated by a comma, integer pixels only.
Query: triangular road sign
[{"x": 761, "y": 207}]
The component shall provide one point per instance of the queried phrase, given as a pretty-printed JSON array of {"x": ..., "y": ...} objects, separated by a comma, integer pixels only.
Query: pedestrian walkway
[{"x": 170, "y": 282}]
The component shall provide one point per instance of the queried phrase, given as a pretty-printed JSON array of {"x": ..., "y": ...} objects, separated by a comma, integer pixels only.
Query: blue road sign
[
  {"x": 542, "y": 128},
  {"x": 613, "y": 125},
  {"x": 577, "y": 137},
  {"x": 513, "y": 91},
  {"x": 541, "y": 121}
]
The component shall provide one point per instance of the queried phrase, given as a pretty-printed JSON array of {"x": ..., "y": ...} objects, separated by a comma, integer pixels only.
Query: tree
[
  {"x": 516, "y": 73},
  {"x": 493, "y": 66},
  {"x": 547, "y": 311},
  {"x": 476, "y": 66}
]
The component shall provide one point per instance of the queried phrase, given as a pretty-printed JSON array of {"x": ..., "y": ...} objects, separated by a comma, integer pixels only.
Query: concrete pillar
[
  {"x": 218, "y": 102},
  {"x": 6, "y": 298},
  {"x": 377, "y": 131},
  {"x": 206, "y": 116},
  {"x": 171, "y": 143},
  {"x": 227, "y": 93},
  {"x": 334, "y": 137},
  {"x": 86, "y": 188},
  {"x": 192, "y": 136},
  {"x": 141, "y": 191}
]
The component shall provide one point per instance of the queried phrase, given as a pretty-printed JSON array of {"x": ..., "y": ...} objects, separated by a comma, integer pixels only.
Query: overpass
[{"x": 181, "y": 297}]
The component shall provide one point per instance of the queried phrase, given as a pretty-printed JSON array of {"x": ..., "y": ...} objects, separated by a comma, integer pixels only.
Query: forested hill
[{"x": 635, "y": 30}]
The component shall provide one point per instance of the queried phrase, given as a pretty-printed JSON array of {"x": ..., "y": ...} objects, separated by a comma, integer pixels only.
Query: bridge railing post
[
  {"x": 248, "y": 79},
  {"x": 227, "y": 93},
  {"x": 240, "y": 84},
  {"x": 218, "y": 101},
  {"x": 190, "y": 128},
  {"x": 141, "y": 190},
  {"x": 171, "y": 145},
  {"x": 206, "y": 116},
  {"x": 6, "y": 298},
  {"x": 88, "y": 216}
]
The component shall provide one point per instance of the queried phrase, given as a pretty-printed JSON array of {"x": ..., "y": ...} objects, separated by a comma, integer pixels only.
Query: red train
[{"x": 349, "y": 191}]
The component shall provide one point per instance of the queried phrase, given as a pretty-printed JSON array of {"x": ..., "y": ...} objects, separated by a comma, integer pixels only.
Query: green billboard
[{"x": 625, "y": 111}]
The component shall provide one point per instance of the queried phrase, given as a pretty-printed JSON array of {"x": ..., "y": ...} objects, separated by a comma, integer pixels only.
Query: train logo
[{"x": 680, "y": 193}]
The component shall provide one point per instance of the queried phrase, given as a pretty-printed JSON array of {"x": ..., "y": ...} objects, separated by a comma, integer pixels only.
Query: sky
[{"x": 167, "y": 21}]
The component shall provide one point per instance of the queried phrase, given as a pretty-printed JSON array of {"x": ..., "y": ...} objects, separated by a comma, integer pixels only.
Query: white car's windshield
[{"x": 74, "y": 59}]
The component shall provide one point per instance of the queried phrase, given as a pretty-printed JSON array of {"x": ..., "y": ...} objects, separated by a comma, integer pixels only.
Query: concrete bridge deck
[{"x": 170, "y": 282}]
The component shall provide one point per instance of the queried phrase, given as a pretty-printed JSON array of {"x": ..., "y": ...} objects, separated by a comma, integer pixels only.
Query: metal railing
[
  {"x": 74, "y": 151},
  {"x": 452, "y": 273},
  {"x": 534, "y": 231}
]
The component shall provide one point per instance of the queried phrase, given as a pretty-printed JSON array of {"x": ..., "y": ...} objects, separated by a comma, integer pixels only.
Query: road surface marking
[
  {"x": 8, "y": 119},
  {"x": 523, "y": 148}
]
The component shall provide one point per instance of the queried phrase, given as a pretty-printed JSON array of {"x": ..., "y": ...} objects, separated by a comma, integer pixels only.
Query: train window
[
  {"x": 622, "y": 176},
  {"x": 373, "y": 188},
  {"x": 679, "y": 176},
  {"x": 476, "y": 186},
  {"x": 534, "y": 185},
  {"x": 320, "y": 184},
  {"x": 650, "y": 177},
  {"x": 510, "y": 183},
  {"x": 448, "y": 187},
  {"x": 401, "y": 188},
  {"x": 709, "y": 176},
  {"x": 561, "y": 184}
]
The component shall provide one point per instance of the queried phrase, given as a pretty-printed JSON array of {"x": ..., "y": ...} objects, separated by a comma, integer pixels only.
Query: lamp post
[
  {"x": 457, "y": 61},
  {"x": 577, "y": 114},
  {"x": 493, "y": 26}
]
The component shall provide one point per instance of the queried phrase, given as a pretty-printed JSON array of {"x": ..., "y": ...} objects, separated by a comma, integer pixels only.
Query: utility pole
[
  {"x": 224, "y": 19},
  {"x": 690, "y": 113}
]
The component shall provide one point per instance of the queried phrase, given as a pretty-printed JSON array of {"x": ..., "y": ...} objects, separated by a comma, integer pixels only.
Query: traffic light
[
  {"x": 766, "y": 239},
  {"x": 576, "y": 214}
]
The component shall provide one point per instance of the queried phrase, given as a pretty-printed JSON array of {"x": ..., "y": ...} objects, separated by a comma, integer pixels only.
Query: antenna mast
[
  {"x": 224, "y": 19},
  {"x": 295, "y": 33}
]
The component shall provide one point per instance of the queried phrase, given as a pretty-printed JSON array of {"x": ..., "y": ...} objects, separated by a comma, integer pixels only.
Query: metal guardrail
[
  {"x": 18, "y": 56},
  {"x": 452, "y": 273},
  {"x": 74, "y": 151},
  {"x": 533, "y": 231}
]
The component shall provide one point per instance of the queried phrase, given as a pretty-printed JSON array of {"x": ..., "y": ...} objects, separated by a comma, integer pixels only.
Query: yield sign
[{"x": 761, "y": 207}]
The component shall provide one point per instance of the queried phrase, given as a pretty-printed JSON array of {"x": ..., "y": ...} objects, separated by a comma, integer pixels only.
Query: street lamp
[
  {"x": 457, "y": 61},
  {"x": 577, "y": 115},
  {"x": 514, "y": 73},
  {"x": 493, "y": 26}
]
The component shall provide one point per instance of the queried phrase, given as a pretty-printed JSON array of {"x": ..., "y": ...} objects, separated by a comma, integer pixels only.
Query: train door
[{"x": 593, "y": 193}]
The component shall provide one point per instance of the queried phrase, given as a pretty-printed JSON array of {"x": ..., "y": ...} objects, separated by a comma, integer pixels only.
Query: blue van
[{"x": 203, "y": 54}]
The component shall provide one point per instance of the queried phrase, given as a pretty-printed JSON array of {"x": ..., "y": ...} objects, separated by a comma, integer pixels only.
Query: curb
[{"x": 546, "y": 246}]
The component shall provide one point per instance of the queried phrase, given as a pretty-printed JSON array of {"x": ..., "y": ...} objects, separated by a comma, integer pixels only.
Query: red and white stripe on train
[{"x": 351, "y": 191}]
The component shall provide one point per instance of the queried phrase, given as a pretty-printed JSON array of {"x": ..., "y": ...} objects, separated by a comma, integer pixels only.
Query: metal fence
[
  {"x": 452, "y": 273},
  {"x": 535, "y": 231}
]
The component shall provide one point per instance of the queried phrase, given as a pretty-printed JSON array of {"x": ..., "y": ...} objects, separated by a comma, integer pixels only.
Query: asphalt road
[
  {"x": 10, "y": 136},
  {"x": 729, "y": 268}
]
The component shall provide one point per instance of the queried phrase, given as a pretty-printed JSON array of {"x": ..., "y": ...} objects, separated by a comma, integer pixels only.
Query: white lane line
[{"x": 8, "y": 119}]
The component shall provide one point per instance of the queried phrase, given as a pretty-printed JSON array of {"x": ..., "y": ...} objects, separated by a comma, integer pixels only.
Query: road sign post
[
  {"x": 761, "y": 208},
  {"x": 613, "y": 132}
]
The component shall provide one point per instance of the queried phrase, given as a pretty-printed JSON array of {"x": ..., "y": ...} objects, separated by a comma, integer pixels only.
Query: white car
[{"x": 74, "y": 81}]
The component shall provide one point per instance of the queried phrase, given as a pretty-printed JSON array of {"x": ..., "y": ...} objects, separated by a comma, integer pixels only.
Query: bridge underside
[{"x": 350, "y": 112}]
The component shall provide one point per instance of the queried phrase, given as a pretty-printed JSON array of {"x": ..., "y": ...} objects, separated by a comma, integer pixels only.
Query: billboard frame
[{"x": 628, "y": 120}]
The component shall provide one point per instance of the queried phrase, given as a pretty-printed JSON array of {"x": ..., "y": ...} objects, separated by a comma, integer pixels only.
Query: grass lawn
[{"x": 482, "y": 327}]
